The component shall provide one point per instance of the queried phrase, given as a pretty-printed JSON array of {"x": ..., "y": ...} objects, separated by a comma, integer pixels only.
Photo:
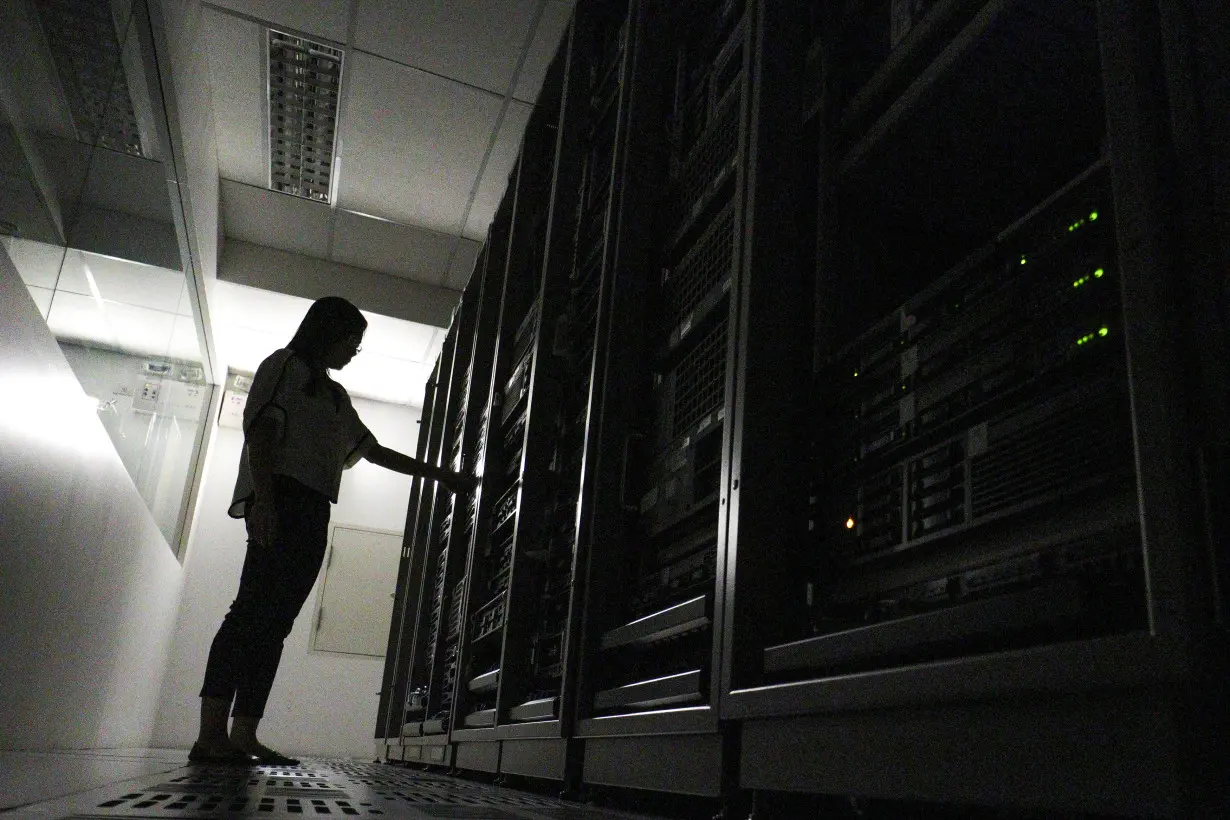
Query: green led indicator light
[
  {"x": 1097, "y": 274},
  {"x": 1093, "y": 216},
  {"x": 856, "y": 374},
  {"x": 1022, "y": 260},
  {"x": 1089, "y": 337}
]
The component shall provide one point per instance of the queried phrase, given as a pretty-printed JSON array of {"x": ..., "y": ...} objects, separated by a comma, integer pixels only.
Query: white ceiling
[
  {"x": 393, "y": 366},
  {"x": 435, "y": 98},
  {"x": 436, "y": 95}
]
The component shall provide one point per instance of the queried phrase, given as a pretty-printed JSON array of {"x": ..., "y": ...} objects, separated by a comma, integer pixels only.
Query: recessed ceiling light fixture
[
  {"x": 305, "y": 80},
  {"x": 86, "y": 52}
]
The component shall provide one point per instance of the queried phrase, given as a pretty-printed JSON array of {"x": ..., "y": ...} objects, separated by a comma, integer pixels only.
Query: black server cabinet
[
  {"x": 444, "y": 521},
  {"x": 394, "y": 695},
  {"x": 517, "y": 683},
  {"x": 1004, "y": 567},
  {"x": 495, "y": 675},
  {"x": 701, "y": 86}
]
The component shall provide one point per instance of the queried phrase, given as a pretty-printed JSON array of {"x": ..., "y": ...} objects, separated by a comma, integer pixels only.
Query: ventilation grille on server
[
  {"x": 1037, "y": 457},
  {"x": 706, "y": 264},
  {"x": 86, "y": 53},
  {"x": 304, "y": 84},
  {"x": 700, "y": 381},
  {"x": 708, "y": 162}
]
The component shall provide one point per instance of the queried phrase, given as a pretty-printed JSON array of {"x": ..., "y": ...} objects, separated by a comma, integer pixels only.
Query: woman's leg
[
  {"x": 275, "y": 582},
  {"x": 303, "y": 521}
]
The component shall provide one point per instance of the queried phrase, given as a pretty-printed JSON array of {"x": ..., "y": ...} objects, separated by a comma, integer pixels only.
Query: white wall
[
  {"x": 322, "y": 705},
  {"x": 88, "y": 586}
]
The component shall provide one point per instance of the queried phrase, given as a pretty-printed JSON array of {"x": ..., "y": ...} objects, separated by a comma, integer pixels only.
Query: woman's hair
[{"x": 328, "y": 321}]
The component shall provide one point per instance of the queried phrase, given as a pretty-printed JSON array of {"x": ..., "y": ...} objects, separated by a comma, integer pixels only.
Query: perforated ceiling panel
[{"x": 305, "y": 81}]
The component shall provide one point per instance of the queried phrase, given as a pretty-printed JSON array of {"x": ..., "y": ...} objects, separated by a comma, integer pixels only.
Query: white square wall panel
[
  {"x": 411, "y": 144},
  {"x": 237, "y": 77},
  {"x": 391, "y": 247},
  {"x": 477, "y": 42}
]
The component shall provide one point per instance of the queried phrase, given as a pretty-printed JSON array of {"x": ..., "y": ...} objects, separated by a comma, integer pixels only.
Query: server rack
[
  {"x": 537, "y": 688},
  {"x": 444, "y": 520},
  {"x": 996, "y": 574},
  {"x": 394, "y": 703},
  {"x": 701, "y": 81},
  {"x": 500, "y": 602}
]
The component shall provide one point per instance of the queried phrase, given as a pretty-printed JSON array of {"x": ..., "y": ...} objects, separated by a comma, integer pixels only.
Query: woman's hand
[
  {"x": 262, "y": 522},
  {"x": 458, "y": 482}
]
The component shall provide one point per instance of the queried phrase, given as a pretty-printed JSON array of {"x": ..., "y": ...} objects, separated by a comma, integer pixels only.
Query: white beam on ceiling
[{"x": 258, "y": 266}]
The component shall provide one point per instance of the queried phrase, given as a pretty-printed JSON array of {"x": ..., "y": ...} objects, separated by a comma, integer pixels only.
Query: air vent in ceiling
[{"x": 305, "y": 79}]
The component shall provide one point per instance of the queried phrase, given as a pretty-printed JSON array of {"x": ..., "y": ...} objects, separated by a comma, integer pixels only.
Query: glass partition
[{"x": 87, "y": 197}]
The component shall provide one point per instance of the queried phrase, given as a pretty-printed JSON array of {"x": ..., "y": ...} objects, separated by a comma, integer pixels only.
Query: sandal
[
  {"x": 228, "y": 756},
  {"x": 272, "y": 758}
]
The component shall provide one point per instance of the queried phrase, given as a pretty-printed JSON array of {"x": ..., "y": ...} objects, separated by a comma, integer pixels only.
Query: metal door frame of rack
[{"x": 1128, "y": 723}]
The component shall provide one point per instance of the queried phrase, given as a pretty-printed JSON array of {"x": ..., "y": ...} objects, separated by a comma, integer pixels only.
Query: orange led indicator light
[{"x": 849, "y": 523}]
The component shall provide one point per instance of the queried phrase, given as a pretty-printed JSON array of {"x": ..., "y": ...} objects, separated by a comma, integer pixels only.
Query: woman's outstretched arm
[{"x": 401, "y": 463}]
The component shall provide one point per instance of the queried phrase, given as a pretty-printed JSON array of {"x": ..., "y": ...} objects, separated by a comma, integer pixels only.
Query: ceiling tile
[
  {"x": 128, "y": 184},
  {"x": 547, "y": 38},
  {"x": 38, "y": 263},
  {"x": 42, "y": 298},
  {"x": 477, "y": 42},
  {"x": 462, "y": 265},
  {"x": 391, "y": 247},
  {"x": 127, "y": 328},
  {"x": 122, "y": 282},
  {"x": 411, "y": 144},
  {"x": 237, "y": 75},
  {"x": 499, "y": 166},
  {"x": 276, "y": 220},
  {"x": 323, "y": 18}
]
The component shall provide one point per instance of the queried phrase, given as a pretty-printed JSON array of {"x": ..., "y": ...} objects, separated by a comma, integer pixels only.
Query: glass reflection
[{"x": 86, "y": 216}]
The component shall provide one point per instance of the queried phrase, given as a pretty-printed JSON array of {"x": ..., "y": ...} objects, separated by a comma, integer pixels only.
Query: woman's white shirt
[{"x": 319, "y": 434}]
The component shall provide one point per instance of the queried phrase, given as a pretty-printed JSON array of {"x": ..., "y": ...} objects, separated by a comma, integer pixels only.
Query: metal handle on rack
[{"x": 623, "y": 474}]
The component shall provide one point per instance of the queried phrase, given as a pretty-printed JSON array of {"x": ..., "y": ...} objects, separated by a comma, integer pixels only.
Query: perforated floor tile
[{"x": 322, "y": 790}]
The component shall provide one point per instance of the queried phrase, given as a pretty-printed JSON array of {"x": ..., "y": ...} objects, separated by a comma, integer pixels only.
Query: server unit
[{"x": 976, "y": 581}]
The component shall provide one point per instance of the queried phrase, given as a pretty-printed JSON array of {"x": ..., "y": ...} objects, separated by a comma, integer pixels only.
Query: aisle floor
[{"x": 160, "y": 784}]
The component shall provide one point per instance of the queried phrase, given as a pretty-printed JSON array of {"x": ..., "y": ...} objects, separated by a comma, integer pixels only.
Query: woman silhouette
[{"x": 300, "y": 432}]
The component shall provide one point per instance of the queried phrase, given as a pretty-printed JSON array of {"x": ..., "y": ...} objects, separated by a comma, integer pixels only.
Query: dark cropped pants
[{"x": 243, "y": 659}]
